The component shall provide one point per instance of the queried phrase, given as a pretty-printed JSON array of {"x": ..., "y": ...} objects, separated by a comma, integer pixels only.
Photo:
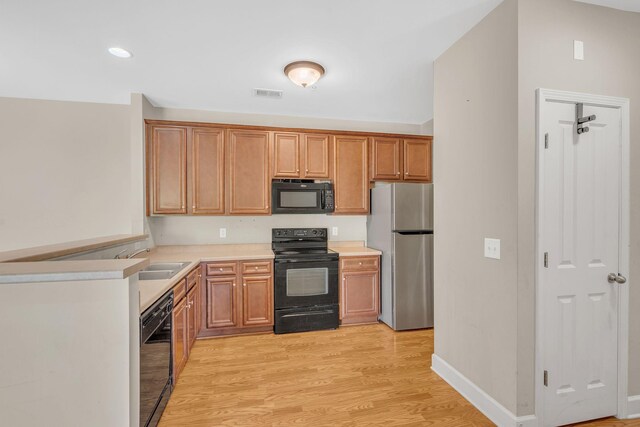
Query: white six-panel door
[{"x": 579, "y": 228}]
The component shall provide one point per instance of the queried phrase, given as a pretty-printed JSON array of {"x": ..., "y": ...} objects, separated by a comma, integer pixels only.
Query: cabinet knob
[
  {"x": 406, "y": 173},
  {"x": 306, "y": 170},
  {"x": 182, "y": 206},
  {"x": 244, "y": 284},
  {"x": 220, "y": 269},
  {"x": 297, "y": 170},
  {"x": 256, "y": 267},
  {"x": 193, "y": 207},
  {"x": 234, "y": 285},
  {"x": 360, "y": 263}
]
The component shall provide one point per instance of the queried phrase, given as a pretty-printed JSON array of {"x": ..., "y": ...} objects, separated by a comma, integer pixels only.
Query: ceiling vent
[{"x": 268, "y": 93}]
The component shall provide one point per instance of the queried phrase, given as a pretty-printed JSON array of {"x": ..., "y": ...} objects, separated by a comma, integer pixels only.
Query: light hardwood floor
[{"x": 353, "y": 376}]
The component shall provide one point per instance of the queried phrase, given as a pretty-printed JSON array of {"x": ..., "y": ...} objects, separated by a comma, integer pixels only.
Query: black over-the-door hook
[{"x": 582, "y": 120}]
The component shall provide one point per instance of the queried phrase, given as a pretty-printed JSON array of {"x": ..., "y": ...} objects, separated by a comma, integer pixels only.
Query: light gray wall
[
  {"x": 475, "y": 171},
  {"x": 64, "y": 171},
  {"x": 279, "y": 121},
  {"x": 611, "y": 67},
  {"x": 171, "y": 230}
]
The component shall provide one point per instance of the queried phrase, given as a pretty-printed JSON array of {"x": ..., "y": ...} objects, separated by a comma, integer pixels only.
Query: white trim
[
  {"x": 544, "y": 95},
  {"x": 478, "y": 397},
  {"x": 633, "y": 407}
]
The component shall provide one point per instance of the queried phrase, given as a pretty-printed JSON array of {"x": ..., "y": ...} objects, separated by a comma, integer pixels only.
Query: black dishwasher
[{"x": 155, "y": 360}]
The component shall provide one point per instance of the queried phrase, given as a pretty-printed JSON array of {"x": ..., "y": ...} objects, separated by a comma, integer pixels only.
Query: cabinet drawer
[
  {"x": 360, "y": 263},
  {"x": 179, "y": 291},
  {"x": 256, "y": 267},
  {"x": 222, "y": 268},
  {"x": 192, "y": 278}
]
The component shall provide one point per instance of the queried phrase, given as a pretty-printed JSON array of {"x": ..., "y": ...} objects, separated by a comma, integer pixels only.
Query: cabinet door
[
  {"x": 221, "y": 302},
  {"x": 192, "y": 323},
  {"x": 351, "y": 177},
  {"x": 257, "y": 298},
  {"x": 249, "y": 186},
  {"x": 207, "y": 171},
  {"x": 315, "y": 156},
  {"x": 360, "y": 297},
  {"x": 386, "y": 159},
  {"x": 417, "y": 160},
  {"x": 168, "y": 165},
  {"x": 179, "y": 338},
  {"x": 286, "y": 155}
]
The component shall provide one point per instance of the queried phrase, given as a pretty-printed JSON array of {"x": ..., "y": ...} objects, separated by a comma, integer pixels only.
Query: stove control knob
[{"x": 315, "y": 231}]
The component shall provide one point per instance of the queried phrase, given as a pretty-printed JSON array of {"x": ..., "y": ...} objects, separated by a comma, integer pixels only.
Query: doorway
[{"x": 582, "y": 251}]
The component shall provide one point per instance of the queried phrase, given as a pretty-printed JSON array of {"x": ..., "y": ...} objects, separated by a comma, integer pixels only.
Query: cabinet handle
[
  {"x": 220, "y": 269},
  {"x": 193, "y": 207},
  {"x": 406, "y": 173},
  {"x": 256, "y": 267},
  {"x": 182, "y": 206},
  {"x": 297, "y": 170},
  {"x": 360, "y": 263},
  {"x": 244, "y": 285},
  {"x": 234, "y": 285}
]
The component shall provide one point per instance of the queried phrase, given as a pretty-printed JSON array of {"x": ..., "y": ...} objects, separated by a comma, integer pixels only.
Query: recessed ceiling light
[
  {"x": 304, "y": 73},
  {"x": 119, "y": 52}
]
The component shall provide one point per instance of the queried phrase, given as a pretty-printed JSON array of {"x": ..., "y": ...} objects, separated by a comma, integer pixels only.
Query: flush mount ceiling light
[
  {"x": 119, "y": 52},
  {"x": 304, "y": 73}
]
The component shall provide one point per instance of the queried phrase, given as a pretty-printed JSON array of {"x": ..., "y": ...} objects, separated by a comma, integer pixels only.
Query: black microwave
[{"x": 301, "y": 197}]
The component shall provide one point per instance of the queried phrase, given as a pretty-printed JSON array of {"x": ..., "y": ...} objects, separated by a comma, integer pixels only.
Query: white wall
[
  {"x": 475, "y": 171},
  {"x": 64, "y": 171}
]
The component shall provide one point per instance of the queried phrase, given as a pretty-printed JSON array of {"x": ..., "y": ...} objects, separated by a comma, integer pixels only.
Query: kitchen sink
[
  {"x": 171, "y": 266},
  {"x": 161, "y": 270}
]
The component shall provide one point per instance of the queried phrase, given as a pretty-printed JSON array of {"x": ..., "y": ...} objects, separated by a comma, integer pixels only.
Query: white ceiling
[
  {"x": 210, "y": 54},
  {"x": 630, "y": 5}
]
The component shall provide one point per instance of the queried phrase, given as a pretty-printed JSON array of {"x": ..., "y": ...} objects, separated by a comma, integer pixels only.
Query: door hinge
[
  {"x": 546, "y": 379},
  {"x": 546, "y": 260},
  {"x": 546, "y": 141}
]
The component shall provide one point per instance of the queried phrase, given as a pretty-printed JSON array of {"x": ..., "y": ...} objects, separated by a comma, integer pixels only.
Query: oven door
[
  {"x": 298, "y": 198},
  {"x": 306, "y": 283}
]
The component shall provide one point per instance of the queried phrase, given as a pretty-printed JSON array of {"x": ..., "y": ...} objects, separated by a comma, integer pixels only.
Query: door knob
[{"x": 612, "y": 277}]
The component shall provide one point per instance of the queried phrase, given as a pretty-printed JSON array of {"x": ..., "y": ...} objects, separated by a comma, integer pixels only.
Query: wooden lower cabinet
[
  {"x": 221, "y": 302},
  {"x": 185, "y": 319},
  {"x": 359, "y": 289},
  {"x": 237, "y": 297},
  {"x": 257, "y": 300},
  {"x": 179, "y": 337}
]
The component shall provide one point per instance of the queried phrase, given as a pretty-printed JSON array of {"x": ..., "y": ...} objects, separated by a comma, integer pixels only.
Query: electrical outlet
[
  {"x": 223, "y": 233},
  {"x": 334, "y": 231},
  {"x": 492, "y": 248}
]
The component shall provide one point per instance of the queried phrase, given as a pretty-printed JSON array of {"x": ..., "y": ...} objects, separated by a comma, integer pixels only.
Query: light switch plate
[
  {"x": 578, "y": 50},
  {"x": 334, "y": 231},
  {"x": 223, "y": 233},
  {"x": 492, "y": 248}
]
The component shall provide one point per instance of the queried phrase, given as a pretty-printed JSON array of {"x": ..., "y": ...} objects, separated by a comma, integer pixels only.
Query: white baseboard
[
  {"x": 478, "y": 398},
  {"x": 633, "y": 406}
]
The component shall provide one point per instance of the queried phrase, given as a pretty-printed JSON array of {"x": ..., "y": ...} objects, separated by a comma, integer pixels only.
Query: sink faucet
[
  {"x": 138, "y": 252},
  {"x": 132, "y": 254}
]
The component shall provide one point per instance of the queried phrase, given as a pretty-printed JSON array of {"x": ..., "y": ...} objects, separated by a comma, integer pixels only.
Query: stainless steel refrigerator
[{"x": 401, "y": 226}]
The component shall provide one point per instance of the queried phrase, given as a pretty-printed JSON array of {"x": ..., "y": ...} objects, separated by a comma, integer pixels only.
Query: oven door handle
[
  {"x": 310, "y": 261},
  {"x": 308, "y": 313}
]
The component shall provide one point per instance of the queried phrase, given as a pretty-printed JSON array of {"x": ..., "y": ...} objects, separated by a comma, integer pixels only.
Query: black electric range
[{"x": 306, "y": 280}]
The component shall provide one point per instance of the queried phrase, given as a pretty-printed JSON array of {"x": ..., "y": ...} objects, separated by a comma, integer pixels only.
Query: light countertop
[
  {"x": 151, "y": 290},
  {"x": 41, "y": 253},
  {"x": 63, "y": 271}
]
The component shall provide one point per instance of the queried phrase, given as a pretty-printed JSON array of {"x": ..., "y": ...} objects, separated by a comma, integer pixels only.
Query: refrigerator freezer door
[
  {"x": 412, "y": 206},
  {"x": 412, "y": 281}
]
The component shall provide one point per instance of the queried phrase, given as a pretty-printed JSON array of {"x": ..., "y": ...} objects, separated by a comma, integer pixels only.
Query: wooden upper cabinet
[
  {"x": 286, "y": 155},
  {"x": 168, "y": 169},
  {"x": 417, "y": 160},
  {"x": 386, "y": 159},
  {"x": 207, "y": 171},
  {"x": 315, "y": 156},
  {"x": 351, "y": 179},
  {"x": 249, "y": 183}
]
